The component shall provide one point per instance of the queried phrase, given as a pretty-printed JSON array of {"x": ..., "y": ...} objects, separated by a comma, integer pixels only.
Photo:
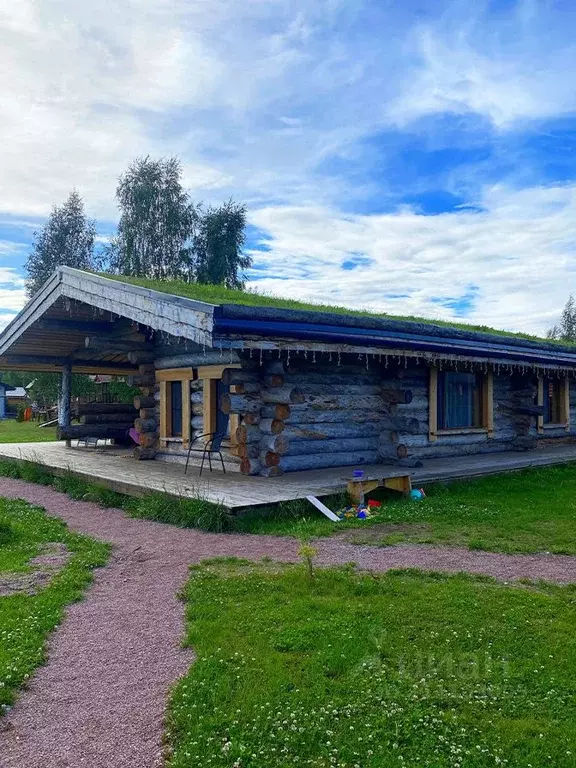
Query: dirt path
[{"x": 99, "y": 702}]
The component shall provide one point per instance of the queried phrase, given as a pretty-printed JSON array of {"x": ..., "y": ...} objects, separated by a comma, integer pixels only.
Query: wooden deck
[{"x": 116, "y": 469}]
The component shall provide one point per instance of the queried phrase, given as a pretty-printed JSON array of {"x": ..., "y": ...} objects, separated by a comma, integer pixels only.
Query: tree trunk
[
  {"x": 94, "y": 430},
  {"x": 149, "y": 440},
  {"x": 247, "y": 387},
  {"x": 107, "y": 418},
  {"x": 248, "y": 434},
  {"x": 352, "y": 444},
  {"x": 397, "y": 395},
  {"x": 271, "y": 472},
  {"x": 271, "y": 426},
  {"x": 276, "y": 411},
  {"x": 327, "y": 431},
  {"x": 251, "y": 418}
]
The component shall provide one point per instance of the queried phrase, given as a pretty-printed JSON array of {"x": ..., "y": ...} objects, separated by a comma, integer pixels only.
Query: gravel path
[{"x": 99, "y": 703}]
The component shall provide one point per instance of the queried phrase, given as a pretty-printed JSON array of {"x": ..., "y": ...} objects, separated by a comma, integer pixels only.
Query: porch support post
[{"x": 65, "y": 396}]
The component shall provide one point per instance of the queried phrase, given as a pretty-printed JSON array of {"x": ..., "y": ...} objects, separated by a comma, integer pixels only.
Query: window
[
  {"x": 553, "y": 401},
  {"x": 175, "y": 408},
  {"x": 554, "y": 396},
  {"x": 460, "y": 401}
]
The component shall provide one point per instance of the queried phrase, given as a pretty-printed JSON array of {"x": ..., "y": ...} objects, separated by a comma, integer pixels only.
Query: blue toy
[{"x": 417, "y": 494}]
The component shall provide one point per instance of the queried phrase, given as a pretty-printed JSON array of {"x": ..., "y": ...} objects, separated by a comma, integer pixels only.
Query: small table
[{"x": 358, "y": 487}]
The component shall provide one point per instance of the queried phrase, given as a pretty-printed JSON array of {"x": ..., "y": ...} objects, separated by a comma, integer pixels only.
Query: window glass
[
  {"x": 459, "y": 400},
  {"x": 176, "y": 408},
  {"x": 552, "y": 401}
]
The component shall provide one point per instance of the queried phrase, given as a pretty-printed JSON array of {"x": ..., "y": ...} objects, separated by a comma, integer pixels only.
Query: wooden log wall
[{"x": 147, "y": 423}]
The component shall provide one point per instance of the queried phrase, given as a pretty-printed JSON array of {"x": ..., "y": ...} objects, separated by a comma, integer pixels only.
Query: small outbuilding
[{"x": 292, "y": 388}]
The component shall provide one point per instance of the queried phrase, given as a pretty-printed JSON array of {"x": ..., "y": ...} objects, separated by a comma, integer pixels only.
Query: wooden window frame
[
  {"x": 487, "y": 395},
  {"x": 211, "y": 374},
  {"x": 185, "y": 376},
  {"x": 564, "y": 406}
]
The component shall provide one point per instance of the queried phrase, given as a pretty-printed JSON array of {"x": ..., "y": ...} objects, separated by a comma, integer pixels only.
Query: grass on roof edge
[{"x": 218, "y": 294}]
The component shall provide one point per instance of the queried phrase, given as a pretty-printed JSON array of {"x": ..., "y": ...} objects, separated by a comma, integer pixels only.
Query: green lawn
[
  {"x": 27, "y": 620},
  {"x": 12, "y": 431},
  {"x": 529, "y": 511},
  {"x": 349, "y": 669}
]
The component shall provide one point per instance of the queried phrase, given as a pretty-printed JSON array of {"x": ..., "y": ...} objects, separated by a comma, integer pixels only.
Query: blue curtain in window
[{"x": 456, "y": 399}]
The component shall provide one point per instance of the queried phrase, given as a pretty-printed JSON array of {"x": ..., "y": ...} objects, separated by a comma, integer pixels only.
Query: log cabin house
[{"x": 291, "y": 389}]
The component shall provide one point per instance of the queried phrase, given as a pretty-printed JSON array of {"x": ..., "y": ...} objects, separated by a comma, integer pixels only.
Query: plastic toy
[{"x": 417, "y": 494}]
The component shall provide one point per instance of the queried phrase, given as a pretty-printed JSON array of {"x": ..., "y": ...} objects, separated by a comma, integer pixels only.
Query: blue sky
[{"x": 411, "y": 157}]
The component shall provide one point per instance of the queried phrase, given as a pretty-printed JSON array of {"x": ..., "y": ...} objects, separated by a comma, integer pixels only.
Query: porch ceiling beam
[
  {"x": 112, "y": 345},
  {"x": 72, "y": 326},
  {"x": 21, "y": 362}
]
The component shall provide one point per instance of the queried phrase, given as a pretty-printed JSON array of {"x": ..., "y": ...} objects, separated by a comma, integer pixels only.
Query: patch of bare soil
[
  {"x": 379, "y": 531},
  {"x": 52, "y": 557}
]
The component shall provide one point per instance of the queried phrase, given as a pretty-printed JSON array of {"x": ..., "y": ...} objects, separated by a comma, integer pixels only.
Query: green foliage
[
  {"x": 372, "y": 670},
  {"x": 72, "y": 485},
  {"x": 184, "y": 512},
  {"x": 67, "y": 239},
  {"x": 218, "y": 243},
  {"x": 529, "y": 511},
  {"x": 157, "y": 221},
  {"x": 26, "y": 621},
  {"x": 566, "y": 329},
  {"x": 20, "y": 414},
  {"x": 6, "y": 533},
  {"x": 104, "y": 497}
]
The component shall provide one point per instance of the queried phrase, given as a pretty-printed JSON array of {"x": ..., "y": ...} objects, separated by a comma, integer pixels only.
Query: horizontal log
[
  {"x": 304, "y": 447},
  {"x": 327, "y": 430},
  {"x": 274, "y": 367},
  {"x": 276, "y": 411},
  {"x": 270, "y": 459},
  {"x": 309, "y": 378},
  {"x": 149, "y": 440},
  {"x": 231, "y": 403},
  {"x": 142, "y": 401},
  {"x": 82, "y": 409},
  {"x": 272, "y": 426},
  {"x": 232, "y": 376},
  {"x": 321, "y": 460},
  {"x": 197, "y": 422},
  {"x": 398, "y": 396},
  {"x": 283, "y": 395},
  {"x": 147, "y": 413},
  {"x": 274, "y": 380},
  {"x": 250, "y": 466},
  {"x": 247, "y": 387},
  {"x": 251, "y": 418},
  {"x": 197, "y": 396},
  {"x": 402, "y": 424},
  {"x": 248, "y": 450},
  {"x": 93, "y": 430},
  {"x": 108, "y": 418},
  {"x": 329, "y": 401},
  {"x": 145, "y": 425},
  {"x": 143, "y": 454},
  {"x": 276, "y": 443},
  {"x": 148, "y": 380},
  {"x": 351, "y": 390},
  {"x": 141, "y": 356},
  {"x": 524, "y": 410},
  {"x": 197, "y": 409},
  {"x": 195, "y": 359},
  {"x": 246, "y": 433}
]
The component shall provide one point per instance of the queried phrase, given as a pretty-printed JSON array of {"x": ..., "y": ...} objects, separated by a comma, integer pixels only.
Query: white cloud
[
  {"x": 507, "y": 69},
  {"x": 517, "y": 256}
]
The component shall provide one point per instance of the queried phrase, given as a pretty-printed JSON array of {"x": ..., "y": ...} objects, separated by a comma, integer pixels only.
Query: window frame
[
  {"x": 165, "y": 379},
  {"x": 563, "y": 404},
  {"x": 486, "y": 408}
]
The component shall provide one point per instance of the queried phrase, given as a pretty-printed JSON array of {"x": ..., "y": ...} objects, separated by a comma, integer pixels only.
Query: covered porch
[{"x": 116, "y": 469}]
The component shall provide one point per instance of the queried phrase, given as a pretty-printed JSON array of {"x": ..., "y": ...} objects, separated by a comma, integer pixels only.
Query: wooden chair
[{"x": 211, "y": 446}]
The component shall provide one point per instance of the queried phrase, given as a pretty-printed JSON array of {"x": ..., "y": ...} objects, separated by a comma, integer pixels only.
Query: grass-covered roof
[{"x": 217, "y": 294}]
